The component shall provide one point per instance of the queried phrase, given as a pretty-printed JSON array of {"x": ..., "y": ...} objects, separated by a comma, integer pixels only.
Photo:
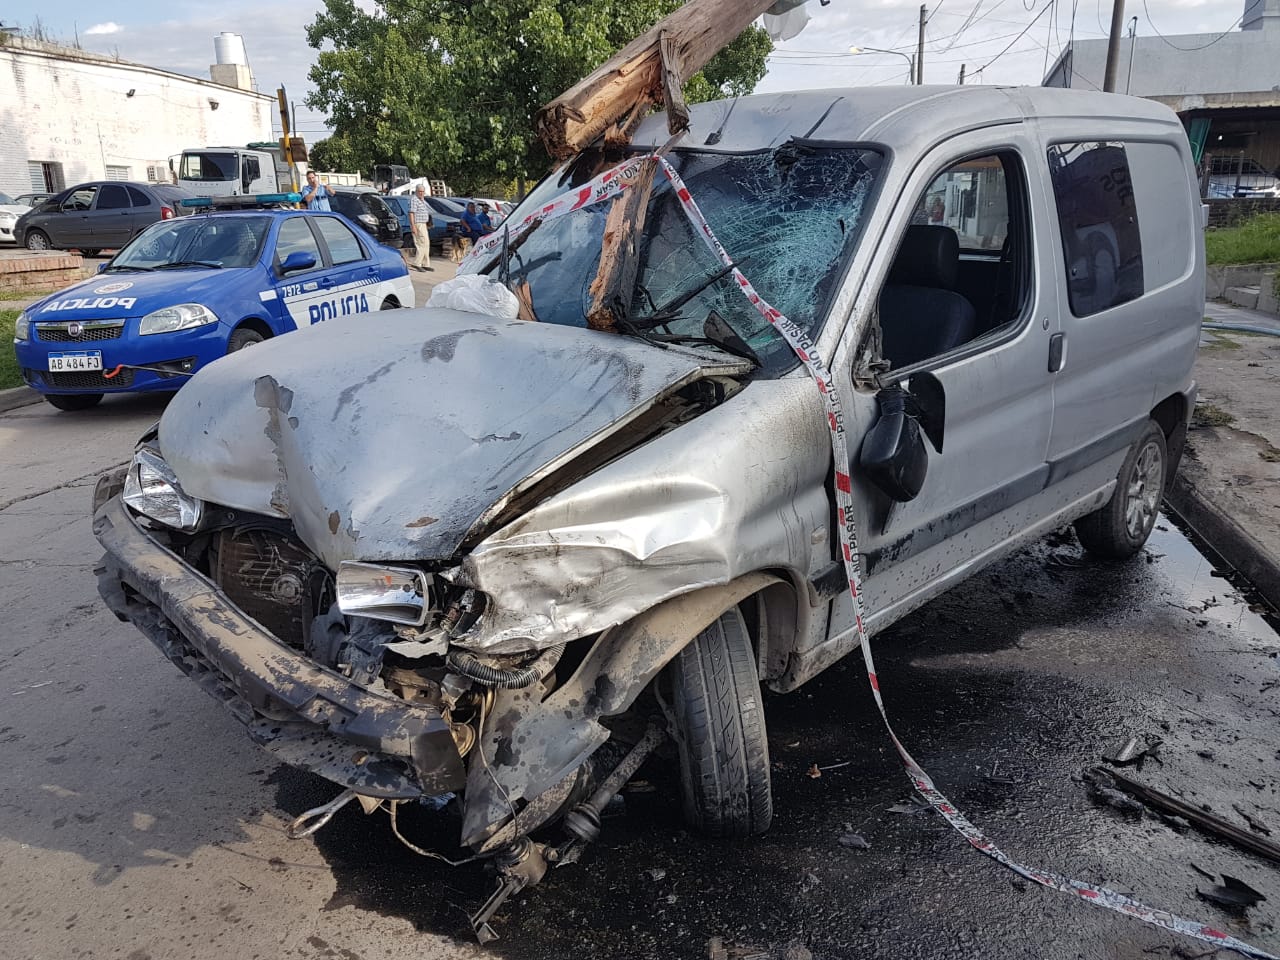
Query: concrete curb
[
  {"x": 17, "y": 397},
  {"x": 1222, "y": 532}
]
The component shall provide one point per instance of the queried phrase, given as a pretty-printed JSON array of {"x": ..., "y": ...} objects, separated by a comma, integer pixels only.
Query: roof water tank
[{"x": 229, "y": 48}]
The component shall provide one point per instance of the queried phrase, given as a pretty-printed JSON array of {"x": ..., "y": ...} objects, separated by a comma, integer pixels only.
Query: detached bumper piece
[{"x": 308, "y": 716}]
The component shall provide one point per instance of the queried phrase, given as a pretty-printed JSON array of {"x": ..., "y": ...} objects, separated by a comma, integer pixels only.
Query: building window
[
  {"x": 1099, "y": 222},
  {"x": 117, "y": 173},
  {"x": 46, "y": 176}
]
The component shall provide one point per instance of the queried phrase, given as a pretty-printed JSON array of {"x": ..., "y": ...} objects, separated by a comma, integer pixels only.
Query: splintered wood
[
  {"x": 648, "y": 71},
  {"x": 614, "y": 281}
]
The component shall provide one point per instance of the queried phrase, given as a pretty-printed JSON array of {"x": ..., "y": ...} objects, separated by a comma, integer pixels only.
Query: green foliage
[
  {"x": 449, "y": 87},
  {"x": 10, "y": 373},
  {"x": 1257, "y": 240},
  {"x": 334, "y": 153}
]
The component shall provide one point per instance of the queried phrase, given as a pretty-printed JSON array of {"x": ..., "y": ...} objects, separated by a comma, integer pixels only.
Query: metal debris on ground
[
  {"x": 1232, "y": 894},
  {"x": 814, "y": 771},
  {"x": 1102, "y": 791},
  {"x": 1133, "y": 751},
  {"x": 1254, "y": 822},
  {"x": 854, "y": 841},
  {"x": 1205, "y": 821}
]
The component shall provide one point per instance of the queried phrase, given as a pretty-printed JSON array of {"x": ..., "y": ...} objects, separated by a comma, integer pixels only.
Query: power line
[
  {"x": 1015, "y": 39},
  {"x": 1203, "y": 46}
]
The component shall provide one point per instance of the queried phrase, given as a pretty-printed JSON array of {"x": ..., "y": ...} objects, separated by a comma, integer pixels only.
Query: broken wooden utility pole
[{"x": 650, "y": 70}]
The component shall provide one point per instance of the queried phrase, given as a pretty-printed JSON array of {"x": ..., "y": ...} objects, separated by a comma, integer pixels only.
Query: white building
[
  {"x": 67, "y": 116},
  {"x": 1224, "y": 86}
]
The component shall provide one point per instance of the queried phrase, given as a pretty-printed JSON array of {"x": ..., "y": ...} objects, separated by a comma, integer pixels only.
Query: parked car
[
  {"x": 191, "y": 290},
  {"x": 370, "y": 211},
  {"x": 10, "y": 211},
  {"x": 1240, "y": 176},
  {"x": 491, "y": 559},
  {"x": 399, "y": 205},
  {"x": 104, "y": 215},
  {"x": 445, "y": 219}
]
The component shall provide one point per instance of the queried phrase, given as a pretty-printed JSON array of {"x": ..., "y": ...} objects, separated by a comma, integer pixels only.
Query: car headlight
[
  {"x": 368, "y": 218},
  {"x": 8, "y": 219},
  {"x": 400, "y": 594},
  {"x": 184, "y": 316},
  {"x": 151, "y": 488},
  {"x": 22, "y": 326}
]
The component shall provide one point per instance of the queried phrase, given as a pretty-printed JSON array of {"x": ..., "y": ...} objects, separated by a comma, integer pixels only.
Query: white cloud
[{"x": 102, "y": 29}]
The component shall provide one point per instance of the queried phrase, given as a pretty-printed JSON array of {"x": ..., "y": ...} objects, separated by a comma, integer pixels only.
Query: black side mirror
[
  {"x": 893, "y": 454},
  {"x": 245, "y": 177}
]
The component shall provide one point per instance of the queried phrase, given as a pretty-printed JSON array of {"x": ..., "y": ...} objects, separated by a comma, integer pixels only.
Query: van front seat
[{"x": 921, "y": 315}]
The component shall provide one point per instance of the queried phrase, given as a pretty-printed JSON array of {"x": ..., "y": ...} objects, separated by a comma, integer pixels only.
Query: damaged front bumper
[{"x": 309, "y": 716}]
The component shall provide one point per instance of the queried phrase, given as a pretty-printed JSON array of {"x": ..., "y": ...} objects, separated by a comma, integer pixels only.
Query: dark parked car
[
  {"x": 445, "y": 216},
  {"x": 370, "y": 211},
  {"x": 400, "y": 207},
  {"x": 103, "y": 215}
]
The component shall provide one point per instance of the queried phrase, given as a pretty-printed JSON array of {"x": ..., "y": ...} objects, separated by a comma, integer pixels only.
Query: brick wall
[
  {"x": 23, "y": 272},
  {"x": 1228, "y": 213}
]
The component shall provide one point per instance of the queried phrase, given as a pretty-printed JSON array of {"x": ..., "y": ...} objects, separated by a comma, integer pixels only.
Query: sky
[{"x": 999, "y": 41}]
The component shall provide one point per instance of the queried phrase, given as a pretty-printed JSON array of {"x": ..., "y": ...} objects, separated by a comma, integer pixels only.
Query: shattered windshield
[{"x": 786, "y": 217}]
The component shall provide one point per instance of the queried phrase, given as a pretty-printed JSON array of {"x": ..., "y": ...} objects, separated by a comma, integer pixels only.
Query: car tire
[
  {"x": 89, "y": 253},
  {"x": 243, "y": 337},
  {"x": 391, "y": 303},
  {"x": 1118, "y": 530},
  {"x": 37, "y": 240},
  {"x": 716, "y": 705},
  {"x": 73, "y": 401}
]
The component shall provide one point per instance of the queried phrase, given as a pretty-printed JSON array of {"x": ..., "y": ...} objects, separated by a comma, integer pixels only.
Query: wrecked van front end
[{"x": 450, "y": 554}]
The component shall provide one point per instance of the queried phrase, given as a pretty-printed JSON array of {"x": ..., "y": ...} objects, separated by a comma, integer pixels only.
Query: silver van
[{"x": 503, "y": 559}]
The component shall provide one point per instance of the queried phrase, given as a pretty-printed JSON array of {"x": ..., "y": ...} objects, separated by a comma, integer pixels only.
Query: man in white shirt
[{"x": 420, "y": 224}]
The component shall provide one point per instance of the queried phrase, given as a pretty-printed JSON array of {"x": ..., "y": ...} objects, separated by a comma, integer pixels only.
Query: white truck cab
[{"x": 233, "y": 171}]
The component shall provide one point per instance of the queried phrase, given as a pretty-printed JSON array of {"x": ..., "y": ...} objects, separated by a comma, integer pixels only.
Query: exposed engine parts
[{"x": 467, "y": 665}]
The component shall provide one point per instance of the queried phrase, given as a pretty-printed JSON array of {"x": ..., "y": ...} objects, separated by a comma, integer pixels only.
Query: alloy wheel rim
[{"x": 1142, "y": 494}]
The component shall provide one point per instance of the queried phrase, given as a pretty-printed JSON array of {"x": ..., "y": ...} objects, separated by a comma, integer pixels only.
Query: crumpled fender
[{"x": 530, "y": 746}]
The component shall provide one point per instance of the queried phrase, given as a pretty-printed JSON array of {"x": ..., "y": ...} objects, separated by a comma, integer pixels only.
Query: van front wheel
[
  {"x": 1118, "y": 530},
  {"x": 720, "y": 732}
]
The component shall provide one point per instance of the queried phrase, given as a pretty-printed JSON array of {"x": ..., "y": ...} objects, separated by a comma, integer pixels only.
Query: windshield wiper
[
  {"x": 122, "y": 269},
  {"x": 212, "y": 265},
  {"x": 671, "y": 309}
]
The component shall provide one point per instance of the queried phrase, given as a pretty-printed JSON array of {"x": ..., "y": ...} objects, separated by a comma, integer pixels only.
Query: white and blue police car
[{"x": 190, "y": 290}]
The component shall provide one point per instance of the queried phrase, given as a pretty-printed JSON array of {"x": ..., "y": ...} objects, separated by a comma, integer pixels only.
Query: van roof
[{"x": 902, "y": 116}]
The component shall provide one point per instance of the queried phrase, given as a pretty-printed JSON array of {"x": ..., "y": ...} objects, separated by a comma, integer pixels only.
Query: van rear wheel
[
  {"x": 720, "y": 733},
  {"x": 1119, "y": 529}
]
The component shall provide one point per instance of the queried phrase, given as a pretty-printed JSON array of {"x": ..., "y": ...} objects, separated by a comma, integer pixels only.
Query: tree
[
  {"x": 334, "y": 153},
  {"x": 450, "y": 87}
]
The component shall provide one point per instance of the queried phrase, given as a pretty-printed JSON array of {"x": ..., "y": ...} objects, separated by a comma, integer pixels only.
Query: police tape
[{"x": 614, "y": 181}]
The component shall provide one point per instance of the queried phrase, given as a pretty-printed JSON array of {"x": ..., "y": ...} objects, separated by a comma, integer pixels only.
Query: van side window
[
  {"x": 1098, "y": 218},
  {"x": 1162, "y": 187},
  {"x": 962, "y": 271}
]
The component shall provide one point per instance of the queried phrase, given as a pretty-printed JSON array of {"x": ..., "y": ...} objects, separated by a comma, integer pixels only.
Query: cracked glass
[{"x": 786, "y": 217}]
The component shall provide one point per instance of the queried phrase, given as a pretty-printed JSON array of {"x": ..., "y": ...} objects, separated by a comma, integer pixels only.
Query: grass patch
[
  {"x": 26, "y": 294},
  {"x": 10, "y": 372},
  {"x": 1207, "y": 415},
  {"x": 1218, "y": 341},
  {"x": 1257, "y": 240}
]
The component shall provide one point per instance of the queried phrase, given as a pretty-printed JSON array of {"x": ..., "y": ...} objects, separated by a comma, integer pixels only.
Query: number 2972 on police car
[{"x": 80, "y": 360}]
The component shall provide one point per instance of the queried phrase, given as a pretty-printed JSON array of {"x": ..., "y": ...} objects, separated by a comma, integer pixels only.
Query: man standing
[
  {"x": 420, "y": 224},
  {"x": 315, "y": 195}
]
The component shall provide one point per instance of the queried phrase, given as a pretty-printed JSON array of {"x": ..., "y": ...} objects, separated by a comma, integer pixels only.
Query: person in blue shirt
[
  {"x": 485, "y": 223},
  {"x": 472, "y": 224},
  {"x": 315, "y": 195}
]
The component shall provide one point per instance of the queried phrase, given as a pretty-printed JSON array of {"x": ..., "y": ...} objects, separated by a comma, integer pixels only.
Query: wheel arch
[
  {"x": 258, "y": 324},
  {"x": 1172, "y": 415}
]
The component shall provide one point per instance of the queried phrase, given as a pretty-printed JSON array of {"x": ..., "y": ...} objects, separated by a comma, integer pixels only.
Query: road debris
[
  {"x": 1103, "y": 792},
  {"x": 1205, "y": 821},
  {"x": 1232, "y": 894},
  {"x": 655, "y": 874},
  {"x": 1254, "y": 822},
  {"x": 853, "y": 841},
  {"x": 814, "y": 771},
  {"x": 1133, "y": 751}
]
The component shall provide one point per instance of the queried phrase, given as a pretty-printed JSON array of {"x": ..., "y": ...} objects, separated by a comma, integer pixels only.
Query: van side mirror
[
  {"x": 298, "y": 260},
  {"x": 893, "y": 454},
  {"x": 246, "y": 176}
]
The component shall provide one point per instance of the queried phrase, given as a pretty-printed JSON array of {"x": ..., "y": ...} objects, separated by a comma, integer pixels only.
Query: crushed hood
[{"x": 390, "y": 436}]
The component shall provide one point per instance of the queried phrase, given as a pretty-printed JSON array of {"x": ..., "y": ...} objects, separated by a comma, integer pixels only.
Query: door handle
[
  {"x": 1057, "y": 352},
  {"x": 327, "y": 282}
]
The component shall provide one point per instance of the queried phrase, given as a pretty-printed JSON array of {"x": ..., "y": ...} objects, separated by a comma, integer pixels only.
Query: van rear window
[{"x": 1098, "y": 218}]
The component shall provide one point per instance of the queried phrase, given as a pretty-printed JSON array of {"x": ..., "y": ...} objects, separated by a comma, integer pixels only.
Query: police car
[{"x": 189, "y": 290}]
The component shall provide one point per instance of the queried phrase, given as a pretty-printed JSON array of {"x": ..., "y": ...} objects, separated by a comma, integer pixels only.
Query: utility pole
[
  {"x": 1113, "y": 46},
  {"x": 920, "y": 45},
  {"x": 961, "y": 80}
]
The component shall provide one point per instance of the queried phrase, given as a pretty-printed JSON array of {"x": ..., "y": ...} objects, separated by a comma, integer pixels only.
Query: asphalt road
[{"x": 137, "y": 821}]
